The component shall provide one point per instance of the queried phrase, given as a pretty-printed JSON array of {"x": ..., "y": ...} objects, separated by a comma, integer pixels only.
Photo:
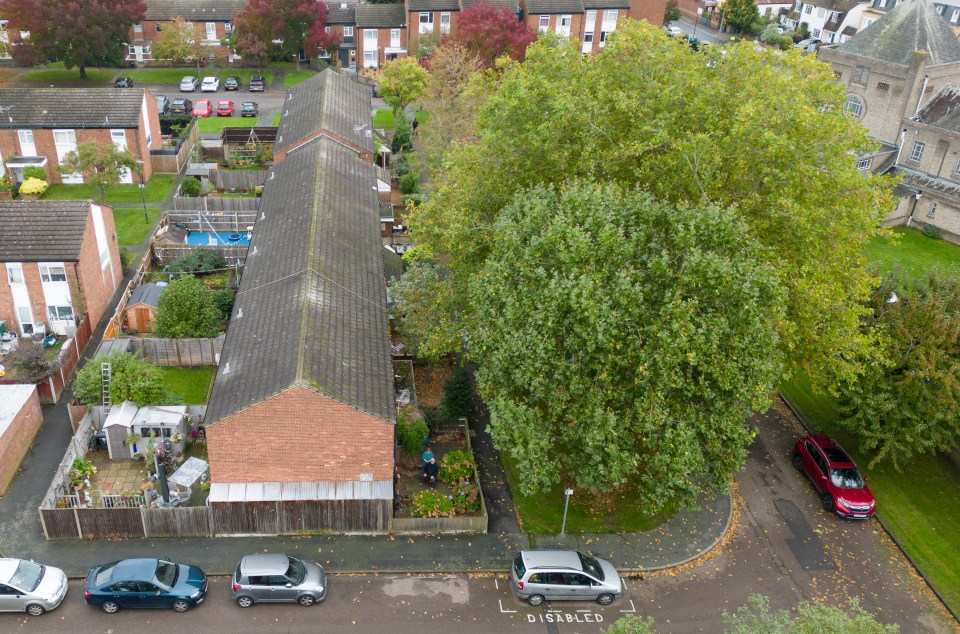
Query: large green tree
[
  {"x": 179, "y": 42},
  {"x": 132, "y": 379},
  {"x": 78, "y": 33},
  {"x": 812, "y": 618},
  {"x": 909, "y": 401},
  {"x": 103, "y": 165},
  {"x": 740, "y": 15},
  {"x": 402, "y": 83},
  {"x": 188, "y": 309},
  {"x": 630, "y": 333},
  {"x": 759, "y": 132}
]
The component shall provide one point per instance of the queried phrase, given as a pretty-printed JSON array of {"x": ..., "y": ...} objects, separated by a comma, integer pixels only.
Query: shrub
[
  {"x": 35, "y": 171},
  {"x": 132, "y": 379},
  {"x": 402, "y": 166},
  {"x": 186, "y": 310},
  {"x": 431, "y": 504},
  {"x": 457, "y": 391},
  {"x": 126, "y": 258},
  {"x": 200, "y": 261},
  {"x": 466, "y": 497},
  {"x": 932, "y": 232},
  {"x": 410, "y": 183},
  {"x": 5, "y": 184},
  {"x": 33, "y": 187},
  {"x": 30, "y": 361},
  {"x": 432, "y": 416},
  {"x": 456, "y": 466},
  {"x": 412, "y": 201},
  {"x": 411, "y": 434},
  {"x": 223, "y": 299},
  {"x": 190, "y": 187}
]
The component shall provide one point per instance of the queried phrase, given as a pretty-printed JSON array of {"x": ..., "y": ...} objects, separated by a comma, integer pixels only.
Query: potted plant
[{"x": 6, "y": 188}]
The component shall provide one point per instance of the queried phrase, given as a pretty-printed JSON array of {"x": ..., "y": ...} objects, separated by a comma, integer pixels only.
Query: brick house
[
  {"x": 40, "y": 126},
  {"x": 327, "y": 105},
  {"x": 61, "y": 263},
  {"x": 431, "y": 19},
  {"x": 342, "y": 22},
  {"x": 381, "y": 33},
  {"x": 587, "y": 21},
  {"x": 20, "y": 419},
  {"x": 300, "y": 421},
  {"x": 902, "y": 77},
  {"x": 831, "y": 21},
  {"x": 212, "y": 20}
]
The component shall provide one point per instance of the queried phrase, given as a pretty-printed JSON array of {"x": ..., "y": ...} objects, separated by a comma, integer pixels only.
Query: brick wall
[
  {"x": 299, "y": 436},
  {"x": 16, "y": 440},
  {"x": 98, "y": 284}
]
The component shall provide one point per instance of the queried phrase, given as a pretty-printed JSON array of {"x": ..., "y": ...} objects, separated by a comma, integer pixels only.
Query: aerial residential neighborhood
[{"x": 618, "y": 316}]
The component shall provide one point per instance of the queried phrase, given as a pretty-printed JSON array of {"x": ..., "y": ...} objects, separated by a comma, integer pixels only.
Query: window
[
  {"x": 834, "y": 16},
  {"x": 610, "y": 15},
  {"x": 228, "y": 28},
  {"x": 590, "y": 22},
  {"x": 15, "y": 271},
  {"x": 808, "y": 8},
  {"x": 26, "y": 319},
  {"x": 60, "y": 313},
  {"x": 395, "y": 38},
  {"x": 883, "y": 86},
  {"x": 853, "y": 107},
  {"x": 138, "y": 28},
  {"x": 159, "y": 28},
  {"x": 444, "y": 22},
  {"x": 370, "y": 59},
  {"x": 956, "y": 170},
  {"x": 26, "y": 137},
  {"x": 917, "y": 152},
  {"x": 860, "y": 75},
  {"x": 426, "y": 18},
  {"x": 864, "y": 164},
  {"x": 956, "y": 14},
  {"x": 603, "y": 37},
  {"x": 347, "y": 31},
  {"x": 882, "y": 3},
  {"x": 212, "y": 31},
  {"x": 159, "y": 432},
  {"x": 544, "y": 22},
  {"x": 933, "y": 211},
  {"x": 821, "y": 12},
  {"x": 816, "y": 33},
  {"x": 588, "y": 37},
  {"x": 53, "y": 273},
  {"x": 940, "y": 9}
]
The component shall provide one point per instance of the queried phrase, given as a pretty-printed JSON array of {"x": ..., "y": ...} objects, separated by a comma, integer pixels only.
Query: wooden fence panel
[
  {"x": 422, "y": 525},
  {"x": 179, "y": 352},
  {"x": 237, "y": 179},
  {"x": 184, "y": 521},
  {"x": 334, "y": 516},
  {"x": 98, "y": 523},
  {"x": 165, "y": 161},
  {"x": 183, "y": 204},
  {"x": 59, "y": 523},
  {"x": 247, "y": 518},
  {"x": 165, "y": 254}
]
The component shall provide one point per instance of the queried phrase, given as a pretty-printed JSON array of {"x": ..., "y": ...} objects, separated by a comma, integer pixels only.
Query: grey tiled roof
[
  {"x": 912, "y": 26},
  {"x": 70, "y": 107},
  {"x": 376, "y": 16},
  {"x": 337, "y": 14},
  {"x": 608, "y": 4},
  {"x": 328, "y": 101},
  {"x": 513, "y": 5},
  {"x": 943, "y": 110},
  {"x": 148, "y": 294},
  {"x": 433, "y": 5},
  {"x": 194, "y": 10},
  {"x": 42, "y": 231},
  {"x": 311, "y": 310},
  {"x": 539, "y": 7},
  {"x": 921, "y": 181}
]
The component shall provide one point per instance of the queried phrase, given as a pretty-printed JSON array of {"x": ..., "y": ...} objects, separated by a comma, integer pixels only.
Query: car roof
[
  {"x": 264, "y": 564},
  {"x": 834, "y": 452},
  {"x": 249, "y": 103},
  {"x": 551, "y": 559},
  {"x": 134, "y": 570},
  {"x": 223, "y": 101}
]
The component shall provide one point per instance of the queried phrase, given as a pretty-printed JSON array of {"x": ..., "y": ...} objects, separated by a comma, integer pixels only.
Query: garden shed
[
  {"x": 142, "y": 307},
  {"x": 117, "y": 427},
  {"x": 126, "y": 421}
]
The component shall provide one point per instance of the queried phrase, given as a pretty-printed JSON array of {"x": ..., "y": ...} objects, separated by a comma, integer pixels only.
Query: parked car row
[
  {"x": 204, "y": 107},
  {"x": 26, "y": 586},
  {"x": 190, "y": 83}
]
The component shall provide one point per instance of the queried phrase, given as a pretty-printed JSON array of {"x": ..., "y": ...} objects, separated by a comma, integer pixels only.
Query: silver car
[
  {"x": 564, "y": 575},
  {"x": 30, "y": 587},
  {"x": 267, "y": 578}
]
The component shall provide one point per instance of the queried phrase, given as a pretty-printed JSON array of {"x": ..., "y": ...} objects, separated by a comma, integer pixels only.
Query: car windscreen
[
  {"x": 166, "y": 574},
  {"x": 28, "y": 576},
  {"x": 296, "y": 571},
  {"x": 518, "y": 566},
  {"x": 847, "y": 478},
  {"x": 103, "y": 575},
  {"x": 591, "y": 566}
]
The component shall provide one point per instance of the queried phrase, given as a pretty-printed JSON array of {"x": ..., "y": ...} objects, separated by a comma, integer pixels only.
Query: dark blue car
[{"x": 145, "y": 583}]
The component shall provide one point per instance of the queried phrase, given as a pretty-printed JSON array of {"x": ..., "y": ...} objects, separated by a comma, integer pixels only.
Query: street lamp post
[
  {"x": 143, "y": 198},
  {"x": 563, "y": 526}
]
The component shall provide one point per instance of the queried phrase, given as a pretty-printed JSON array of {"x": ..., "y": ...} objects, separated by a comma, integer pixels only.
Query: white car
[
  {"x": 188, "y": 84},
  {"x": 674, "y": 31},
  {"x": 210, "y": 84},
  {"x": 29, "y": 587}
]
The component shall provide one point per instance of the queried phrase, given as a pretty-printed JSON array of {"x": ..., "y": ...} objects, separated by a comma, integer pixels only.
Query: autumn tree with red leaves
[
  {"x": 80, "y": 33},
  {"x": 320, "y": 41},
  {"x": 278, "y": 28},
  {"x": 491, "y": 31}
]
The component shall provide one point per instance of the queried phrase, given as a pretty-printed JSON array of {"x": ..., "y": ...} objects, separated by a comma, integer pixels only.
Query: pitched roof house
[
  {"x": 382, "y": 33},
  {"x": 212, "y": 20},
  {"x": 878, "y": 8},
  {"x": 40, "y": 126},
  {"x": 831, "y": 21},
  {"x": 902, "y": 78},
  {"x": 61, "y": 263}
]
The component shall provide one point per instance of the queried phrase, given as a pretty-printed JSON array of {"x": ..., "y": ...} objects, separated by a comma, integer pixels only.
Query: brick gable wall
[
  {"x": 98, "y": 284},
  {"x": 16, "y": 440},
  {"x": 300, "y": 436}
]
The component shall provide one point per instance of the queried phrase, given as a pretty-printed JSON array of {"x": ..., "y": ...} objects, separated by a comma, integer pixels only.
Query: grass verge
[
  {"x": 190, "y": 383},
  {"x": 64, "y": 76},
  {"x": 276, "y": 120},
  {"x": 131, "y": 227},
  {"x": 383, "y": 118},
  {"x": 156, "y": 191},
  {"x": 217, "y": 124},
  {"x": 543, "y": 513}
]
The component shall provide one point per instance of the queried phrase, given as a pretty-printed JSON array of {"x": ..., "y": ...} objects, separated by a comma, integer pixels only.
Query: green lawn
[
  {"x": 916, "y": 502},
  {"x": 543, "y": 513},
  {"x": 276, "y": 119},
  {"x": 138, "y": 75},
  {"x": 216, "y": 124},
  {"x": 190, "y": 383},
  {"x": 383, "y": 118},
  {"x": 131, "y": 228},
  {"x": 292, "y": 78},
  {"x": 156, "y": 191},
  {"x": 914, "y": 252},
  {"x": 62, "y": 75}
]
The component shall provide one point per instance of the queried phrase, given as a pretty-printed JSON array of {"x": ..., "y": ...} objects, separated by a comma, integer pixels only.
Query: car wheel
[
  {"x": 535, "y": 599},
  {"x": 797, "y": 462},
  {"x": 827, "y": 501},
  {"x": 605, "y": 599},
  {"x": 306, "y": 600},
  {"x": 244, "y": 602},
  {"x": 35, "y": 610},
  {"x": 180, "y": 605},
  {"x": 110, "y": 607}
]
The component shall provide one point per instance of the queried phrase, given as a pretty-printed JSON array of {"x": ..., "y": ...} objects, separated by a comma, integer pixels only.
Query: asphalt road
[{"x": 266, "y": 99}]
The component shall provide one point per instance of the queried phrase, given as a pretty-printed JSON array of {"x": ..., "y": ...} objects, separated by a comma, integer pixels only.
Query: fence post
[{"x": 76, "y": 519}]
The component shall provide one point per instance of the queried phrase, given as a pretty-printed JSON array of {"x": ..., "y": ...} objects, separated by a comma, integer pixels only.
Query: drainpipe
[
  {"x": 923, "y": 89},
  {"x": 896, "y": 161},
  {"x": 916, "y": 198}
]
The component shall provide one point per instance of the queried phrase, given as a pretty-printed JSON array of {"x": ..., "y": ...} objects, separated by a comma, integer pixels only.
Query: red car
[
  {"x": 203, "y": 108},
  {"x": 225, "y": 108},
  {"x": 842, "y": 489}
]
